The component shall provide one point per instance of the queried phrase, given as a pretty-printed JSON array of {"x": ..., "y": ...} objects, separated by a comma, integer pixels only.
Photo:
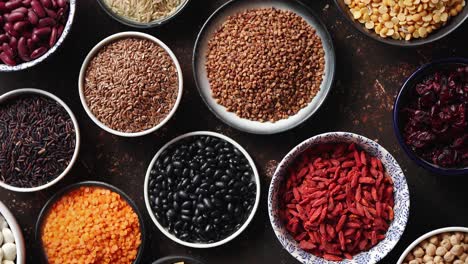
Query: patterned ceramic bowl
[{"x": 401, "y": 194}]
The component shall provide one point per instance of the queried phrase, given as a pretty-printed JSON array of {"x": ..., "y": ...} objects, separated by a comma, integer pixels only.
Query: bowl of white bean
[
  {"x": 12, "y": 247},
  {"x": 445, "y": 245}
]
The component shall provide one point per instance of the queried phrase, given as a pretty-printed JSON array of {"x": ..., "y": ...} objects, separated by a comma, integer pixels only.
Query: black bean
[
  {"x": 183, "y": 195},
  {"x": 185, "y": 218},
  {"x": 220, "y": 184}
]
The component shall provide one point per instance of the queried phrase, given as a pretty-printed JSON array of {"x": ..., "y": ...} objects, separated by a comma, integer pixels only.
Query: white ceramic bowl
[
  {"x": 401, "y": 196},
  {"x": 12, "y": 94},
  {"x": 428, "y": 235},
  {"x": 244, "y": 225},
  {"x": 17, "y": 233},
  {"x": 96, "y": 49},
  {"x": 201, "y": 78},
  {"x": 66, "y": 31}
]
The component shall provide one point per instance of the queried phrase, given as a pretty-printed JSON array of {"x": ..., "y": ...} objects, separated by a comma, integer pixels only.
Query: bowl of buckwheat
[{"x": 404, "y": 22}]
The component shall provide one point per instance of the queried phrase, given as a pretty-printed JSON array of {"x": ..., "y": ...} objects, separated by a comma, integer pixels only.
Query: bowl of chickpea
[
  {"x": 405, "y": 23},
  {"x": 445, "y": 245}
]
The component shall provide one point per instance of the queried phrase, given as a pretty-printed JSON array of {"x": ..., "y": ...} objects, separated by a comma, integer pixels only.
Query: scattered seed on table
[
  {"x": 131, "y": 85},
  {"x": 37, "y": 141},
  {"x": 202, "y": 189},
  {"x": 91, "y": 225},
  {"x": 265, "y": 64}
]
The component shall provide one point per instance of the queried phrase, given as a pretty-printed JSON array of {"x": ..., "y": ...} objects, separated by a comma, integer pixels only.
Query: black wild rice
[{"x": 37, "y": 138}]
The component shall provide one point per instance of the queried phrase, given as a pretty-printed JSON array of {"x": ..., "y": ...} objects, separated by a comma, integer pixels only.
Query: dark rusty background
[{"x": 369, "y": 75}]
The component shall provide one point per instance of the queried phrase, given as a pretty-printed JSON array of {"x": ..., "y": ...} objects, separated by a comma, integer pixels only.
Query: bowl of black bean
[{"x": 202, "y": 189}]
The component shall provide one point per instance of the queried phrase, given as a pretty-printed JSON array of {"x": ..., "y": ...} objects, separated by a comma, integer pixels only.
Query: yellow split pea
[{"x": 404, "y": 19}]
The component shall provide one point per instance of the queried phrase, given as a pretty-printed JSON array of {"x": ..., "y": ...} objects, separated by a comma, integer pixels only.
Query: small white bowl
[
  {"x": 428, "y": 235},
  {"x": 401, "y": 197},
  {"x": 96, "y": 49},
  {"x": 12, "y": 94},
  {"x": 244, "y": 225},
  {"x": 17, "y": 233}
]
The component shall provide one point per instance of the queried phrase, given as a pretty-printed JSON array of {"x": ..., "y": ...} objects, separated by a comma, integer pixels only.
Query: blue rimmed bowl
[
  {"x": 401, "y": 196},
  {"x": 60, "y": 40},
  {"x": 405, "y": 95}
]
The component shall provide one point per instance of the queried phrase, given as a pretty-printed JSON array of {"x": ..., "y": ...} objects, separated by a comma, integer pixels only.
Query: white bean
[
  {"x": 7, "y": 262},
  {"x": 1, "y": 238},
  {"x": 1, "y": 254},
  {"x": 3, "y": 223},
  {"x": 7, "y": 236},
  {"x": 9, "y": 251}
]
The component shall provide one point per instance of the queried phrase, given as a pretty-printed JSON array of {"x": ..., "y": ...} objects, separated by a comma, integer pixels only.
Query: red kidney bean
[
  {"x": 20, "y": 25},
  {"x": 8, "y": 50},
  {"x": 38, "y": 52},
  {"x": 23, "y": 50},
  {"x": 32, "y": 17},
  {"x": 37, "y": 7},
  {"x": 51, "y": 13},
  {"x": 42, "y": 32},
  {"x": 60, "y": 30},
  {"x": 3, "y": 7},
  {"x": 7, "y": 60},
  {"x": 46, "y": 3},
  {"x": 30, "y": 44},
  {"x": 15, "y": 16},
  {"x": 62, "y": 3},
  {"x": 10, "y": 5},
  {"x": 35, "y": 39},
  {"x": 26, "y": 3},
  {"x": 4, "y": 38},
  {"x": 2, "y": 20},
  {"x": 13, "y": 42},
  {"x": 9, "y": 29},
  {"x": 46, "y": 22},
  {"x": 53, "y": 37},
  {"x": 22, "y": 9}
]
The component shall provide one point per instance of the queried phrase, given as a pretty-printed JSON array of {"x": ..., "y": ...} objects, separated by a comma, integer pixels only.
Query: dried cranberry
[{"x": 435, "y": 121}]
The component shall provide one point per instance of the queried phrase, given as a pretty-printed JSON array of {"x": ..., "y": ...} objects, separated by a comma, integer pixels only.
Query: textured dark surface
[{"x": 369, "y": 75}]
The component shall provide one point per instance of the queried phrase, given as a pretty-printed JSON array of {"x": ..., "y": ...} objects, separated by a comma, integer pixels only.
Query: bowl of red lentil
[
  {"x": 130, "y": 84},
  {"x": 41, "y": 140},
  {"x": 338, "y": 197},
  {"x": 406, "y": 23},
  {"x": 260, "y": 78},
  {"x": 90, "y": 220}
]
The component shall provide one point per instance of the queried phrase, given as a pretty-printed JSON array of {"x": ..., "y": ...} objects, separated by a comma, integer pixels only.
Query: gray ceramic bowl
[
  {"x": 201, "y": 79},
  {"x": 66, "y": 31},
  {"x": 451, "y": 25},
  {"x": 137, "y": 24}
]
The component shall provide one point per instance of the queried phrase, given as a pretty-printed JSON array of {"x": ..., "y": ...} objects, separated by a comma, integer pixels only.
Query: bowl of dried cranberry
[
  {"x": 430, "y": 116},
  {"x": 338, "y": 198},
  {"x": 32, "y": 31}
]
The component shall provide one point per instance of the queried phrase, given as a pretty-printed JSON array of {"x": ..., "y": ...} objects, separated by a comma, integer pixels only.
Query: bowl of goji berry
[{"x": 338, "y": 198}]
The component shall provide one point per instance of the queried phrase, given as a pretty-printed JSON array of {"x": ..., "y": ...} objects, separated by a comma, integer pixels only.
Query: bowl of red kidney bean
[
  {"x": 338, "y": 197},
  {"x": 202, "y": 189},
  {"x": 430, "y": 116},
  {"x": 31, "y": 30}
]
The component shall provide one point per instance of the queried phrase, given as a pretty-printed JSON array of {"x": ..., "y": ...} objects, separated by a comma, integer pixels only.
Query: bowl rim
[
  {"x": 43, "y": 213},
  {"x": 140, "y": 25},
  {"x": 108, "y": 40},
  {"x": 408, "y": 84},
  {"x": 428, "y": 235},
  {"x": 247, "y": 221},
  {"x": 24, "y": 91},
  {"x": 291, "y": 155},
  {"x": 331, "y": 75},
  {"x": 174, "y": 258},
  {"x": 399, "y": 43},
  {"x": 61, "y": 39},
  {"x": 17, "y": 233}
]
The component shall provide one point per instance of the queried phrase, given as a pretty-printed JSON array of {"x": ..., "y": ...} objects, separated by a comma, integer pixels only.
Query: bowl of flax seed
[{"x": 130, "y": 84}]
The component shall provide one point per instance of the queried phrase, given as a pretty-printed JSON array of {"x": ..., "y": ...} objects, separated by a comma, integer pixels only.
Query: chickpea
[
  {"x": 424, "y": 244},
  {"x": 434, "y": 240},
  {"x": 465, "y": 247},
  {"x": 431, "y": 250},
  {"x": 458, "y": 261},
  {"x": 431, "y": 262},
  {"x": 418, "y": 252},
  {"x": 427, "y": 258},
  {"x": 449, "y": 257},
  {"x": 440, "y": 251},
  {"x": 414, "y": 261},
  {"x": 464, "y": 256},
  {"x": 466, "y": 261},
  {"x": 438, "y": 259},
  {"x": 460, "y": 235},
  {"x": 466, "y": 239},
  {"x": 454, "y": 240},
  {"x": 409, "y": 257},
  {"x": 446, "y": 244},
  {"x": 445, "y": 236},
  {"x": 457, "y": 250}
]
